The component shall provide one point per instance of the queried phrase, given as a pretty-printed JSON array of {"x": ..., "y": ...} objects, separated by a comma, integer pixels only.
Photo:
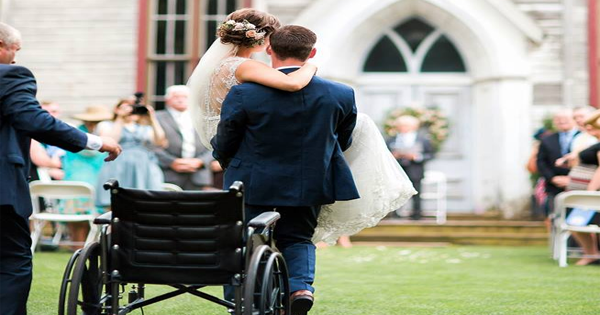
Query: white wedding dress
[{"x": 381, "y": 182}]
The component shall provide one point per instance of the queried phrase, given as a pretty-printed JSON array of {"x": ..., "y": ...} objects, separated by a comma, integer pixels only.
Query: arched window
[
  {"x": 385, "y": 57},
  {"x": 414, "y": 47}
]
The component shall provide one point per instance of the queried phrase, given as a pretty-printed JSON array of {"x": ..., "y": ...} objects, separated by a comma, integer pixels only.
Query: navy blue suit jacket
[
  {"x": 22, "y": 118},
  {"x": 287, "y": 147}
]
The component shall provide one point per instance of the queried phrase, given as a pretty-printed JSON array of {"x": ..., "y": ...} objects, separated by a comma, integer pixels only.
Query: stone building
[{"x": 494, "y": 67}]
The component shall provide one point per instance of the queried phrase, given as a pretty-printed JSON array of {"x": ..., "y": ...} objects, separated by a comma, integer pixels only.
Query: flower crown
[{"x": 251, "y": 35}]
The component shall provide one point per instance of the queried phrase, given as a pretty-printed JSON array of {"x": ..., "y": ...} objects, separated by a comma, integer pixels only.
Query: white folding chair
[
  {"x": 171, "y": 187},
  {"x": 65, "y": 194},
  {"x": 572, "y": 199},
  {"x": 434, "y": 186}
]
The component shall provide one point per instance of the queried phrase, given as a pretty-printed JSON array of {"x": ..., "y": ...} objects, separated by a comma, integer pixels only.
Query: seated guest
[
  {"x": 590, "y": 156},
  {"x": 85, "y": 166},
  {"x": 138, "y": 132},
  {"x": 185, "y": 161}
]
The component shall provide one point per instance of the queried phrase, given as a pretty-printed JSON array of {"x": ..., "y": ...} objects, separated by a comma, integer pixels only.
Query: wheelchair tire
[
  {"x": 275, "y": 288},
  {"x": 66, "y": 282},
  {"x": 85, "y": 292},
  {"x": 266, "y": 287}
]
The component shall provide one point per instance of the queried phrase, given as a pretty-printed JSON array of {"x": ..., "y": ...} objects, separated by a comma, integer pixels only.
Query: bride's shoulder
[{"x": 231, "y": 63}]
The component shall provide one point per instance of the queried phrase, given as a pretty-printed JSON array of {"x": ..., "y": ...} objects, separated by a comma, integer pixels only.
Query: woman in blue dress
[{"x": 137, "y": 166}]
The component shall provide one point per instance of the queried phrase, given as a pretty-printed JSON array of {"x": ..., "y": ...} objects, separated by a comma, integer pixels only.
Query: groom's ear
[
  {"x": 312, "y": 54},
  {"x": 269, "y": 50}
]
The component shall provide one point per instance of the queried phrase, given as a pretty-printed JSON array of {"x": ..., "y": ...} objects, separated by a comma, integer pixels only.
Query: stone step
[{"x": 478, "y": 232}]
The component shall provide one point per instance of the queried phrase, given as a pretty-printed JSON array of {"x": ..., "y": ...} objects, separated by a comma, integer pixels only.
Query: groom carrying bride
[{"x": 286, "y": 147}]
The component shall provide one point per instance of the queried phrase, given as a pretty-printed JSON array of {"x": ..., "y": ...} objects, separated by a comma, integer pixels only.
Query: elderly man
[
  {"x": 412, "y": 150},
  {"x": 21, "y": 119},
  {"x": 552, "y": 148},
  {"x": 185, "y": 161}
]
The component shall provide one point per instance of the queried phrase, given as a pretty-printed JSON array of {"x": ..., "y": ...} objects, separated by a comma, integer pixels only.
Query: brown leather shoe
[{"x": 301, "y": 304}]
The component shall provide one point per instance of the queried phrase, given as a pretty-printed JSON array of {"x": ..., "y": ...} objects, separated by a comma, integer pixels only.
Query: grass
[{"x": 407, "y": 281}]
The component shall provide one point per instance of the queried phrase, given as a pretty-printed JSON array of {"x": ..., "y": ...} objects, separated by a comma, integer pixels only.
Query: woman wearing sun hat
[{"x": 85, "y": 165}]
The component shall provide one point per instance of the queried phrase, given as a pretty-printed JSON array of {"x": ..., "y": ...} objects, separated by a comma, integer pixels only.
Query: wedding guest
[
  {"x": 84, "y": 166},
  {"x": 46, "y": 159},
  {"x": 138, "y": 166},
  {"x": 590, "y": 156},
  {"x": 552, "y": 148},
  {"x": 22, "y": 118},
  {"x": 412, "y": 151},
  {"x": 185, "y": 161},
  {"x": 584, "y": 139}
]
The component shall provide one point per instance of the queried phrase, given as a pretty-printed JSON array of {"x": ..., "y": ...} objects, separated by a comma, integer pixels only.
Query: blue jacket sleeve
[
  {"x": 347, "y": 122},
  {"x": 230, "y": 131},
  {"x": 20, "y": 108}
]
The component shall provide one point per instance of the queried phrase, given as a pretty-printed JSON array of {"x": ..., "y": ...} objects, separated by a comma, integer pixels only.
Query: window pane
[
  {"x": 211, "y": 32},
  {"x": 385, "y": 57},
  {"x": 414, "y": 32},
  {"x": 161, "y": 37},
  {"x": 443, "y": 57},
  {"x": 180, "y": 77},
  {"x": 161, "y": 78},
  {"x": 231, "y": 6},
  {"x": 181, "y": 5},
  {"x": 163, "y": 6},
  {"x": 212, "y": 7},
  {"x": 180, "y": 37}
]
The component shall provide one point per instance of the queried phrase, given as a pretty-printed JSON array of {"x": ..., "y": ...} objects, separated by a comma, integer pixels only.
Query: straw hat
[
  {"x": 94, "y": 113},
  {"x": 594, "y": 120}
]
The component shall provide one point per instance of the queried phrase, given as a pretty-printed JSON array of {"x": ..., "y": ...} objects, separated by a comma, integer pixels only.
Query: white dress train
[{"x": 381, "y": 182}]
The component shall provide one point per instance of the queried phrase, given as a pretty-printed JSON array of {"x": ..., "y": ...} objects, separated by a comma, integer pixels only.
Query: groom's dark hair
[{"x": 293, "y": 41}]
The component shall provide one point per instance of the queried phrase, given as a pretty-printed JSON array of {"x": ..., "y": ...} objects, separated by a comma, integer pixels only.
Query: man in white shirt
[
  {"x": 184, "y": 161},
  {"x": 412, "y": 151}
]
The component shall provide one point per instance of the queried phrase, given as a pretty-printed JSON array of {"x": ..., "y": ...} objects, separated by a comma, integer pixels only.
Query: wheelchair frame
[{"x": 92, "y": 286}]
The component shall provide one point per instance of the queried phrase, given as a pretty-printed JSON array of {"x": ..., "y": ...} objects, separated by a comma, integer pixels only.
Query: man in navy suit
[
  {"x": 551, "y": 149},
  {"x": 287, "y": 150},
  {"x": 22, "y": 118}
]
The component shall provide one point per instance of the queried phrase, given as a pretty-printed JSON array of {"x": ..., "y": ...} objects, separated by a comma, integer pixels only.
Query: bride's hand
[{"x": 311, "y": 66}]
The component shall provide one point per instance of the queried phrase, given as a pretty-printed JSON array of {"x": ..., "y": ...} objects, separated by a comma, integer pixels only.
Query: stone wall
[{"x": 82, "y": 52}]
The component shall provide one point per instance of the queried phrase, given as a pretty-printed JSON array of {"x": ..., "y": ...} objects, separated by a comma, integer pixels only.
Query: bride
[{"x": 381, "y": 182}]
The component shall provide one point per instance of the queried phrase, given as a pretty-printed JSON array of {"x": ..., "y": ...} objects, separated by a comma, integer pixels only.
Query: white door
[
  {"x": 454, "y": 158},
  {"x": 416, "y": 64}
]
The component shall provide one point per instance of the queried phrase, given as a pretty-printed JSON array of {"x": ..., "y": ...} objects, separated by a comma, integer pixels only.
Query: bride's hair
[{"x": 263, "y": 22}]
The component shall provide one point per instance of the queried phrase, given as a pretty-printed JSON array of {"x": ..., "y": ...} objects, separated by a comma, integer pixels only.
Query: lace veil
[{"x": 200, "y": 108}]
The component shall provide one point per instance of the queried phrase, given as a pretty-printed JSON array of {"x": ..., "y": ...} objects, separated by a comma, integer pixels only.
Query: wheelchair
[{"x": 185, "y": 240}]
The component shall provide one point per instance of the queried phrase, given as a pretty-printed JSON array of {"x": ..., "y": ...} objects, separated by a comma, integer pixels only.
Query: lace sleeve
[{"x": 221, "y": 82}]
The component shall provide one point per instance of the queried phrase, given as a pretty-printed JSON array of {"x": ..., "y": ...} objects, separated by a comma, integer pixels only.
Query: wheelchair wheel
[
  {"x": 266, "y": 290},
  {"x": 85, "y": 292},
  {"x": 66, "y": 282}
]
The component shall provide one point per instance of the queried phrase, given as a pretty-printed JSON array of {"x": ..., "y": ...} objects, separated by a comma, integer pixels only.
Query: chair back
[
  {"x": 589, "y": 200},
  {"x": 72, "y": 195},
  {"x": 167, "y": 237}
]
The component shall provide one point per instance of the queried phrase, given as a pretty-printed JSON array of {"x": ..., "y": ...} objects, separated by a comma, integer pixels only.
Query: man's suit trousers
[{"x": 15, "y": 262}]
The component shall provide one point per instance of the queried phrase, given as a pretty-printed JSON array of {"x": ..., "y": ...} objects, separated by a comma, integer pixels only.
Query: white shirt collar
[
  {"x": 288, "y": 67},
  {"x": 175, "y": 113}
]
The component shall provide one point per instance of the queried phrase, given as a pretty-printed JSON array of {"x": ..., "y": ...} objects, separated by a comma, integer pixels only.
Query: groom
[{"x": 286, "y": 147}]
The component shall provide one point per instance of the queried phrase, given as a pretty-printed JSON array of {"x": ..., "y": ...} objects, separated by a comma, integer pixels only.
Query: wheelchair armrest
[
  {"x": 264, "y": 220},
  {"x": 103, "y": 218}
]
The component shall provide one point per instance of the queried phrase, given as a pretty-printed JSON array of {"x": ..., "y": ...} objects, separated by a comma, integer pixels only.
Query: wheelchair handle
[
  {"x": 237, "y": 186},
  {"x": 111, "y": 184}
]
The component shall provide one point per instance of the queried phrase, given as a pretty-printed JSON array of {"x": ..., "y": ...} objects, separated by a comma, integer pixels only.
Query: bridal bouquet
[{"x": 432, "y": 120}]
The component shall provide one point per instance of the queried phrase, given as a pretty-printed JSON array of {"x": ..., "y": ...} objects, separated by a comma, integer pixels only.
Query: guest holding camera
[
  {"x": 138, "y": 132},
  {"x": 185, "y": 161}
]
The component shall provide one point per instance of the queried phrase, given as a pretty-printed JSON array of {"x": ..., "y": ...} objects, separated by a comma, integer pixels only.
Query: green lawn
[{"x": 404, "y": 281}]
